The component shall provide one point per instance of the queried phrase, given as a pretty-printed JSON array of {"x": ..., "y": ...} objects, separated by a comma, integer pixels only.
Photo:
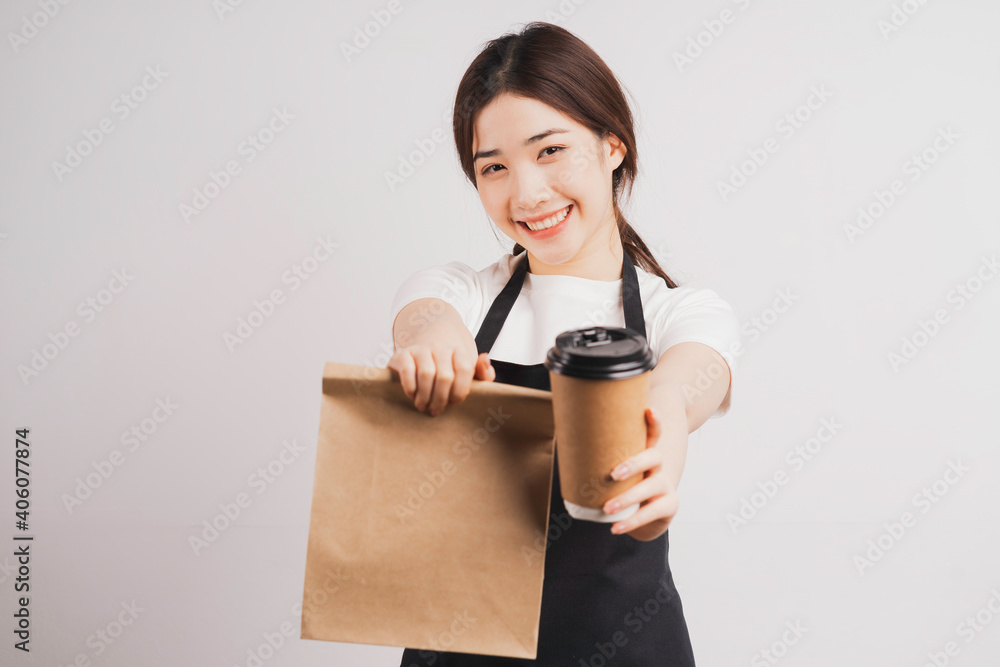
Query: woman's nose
[{"x": 529, "y": 189}]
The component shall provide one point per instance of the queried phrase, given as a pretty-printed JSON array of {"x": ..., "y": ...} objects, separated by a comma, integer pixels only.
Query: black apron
[{"x": 606, "y": 599}]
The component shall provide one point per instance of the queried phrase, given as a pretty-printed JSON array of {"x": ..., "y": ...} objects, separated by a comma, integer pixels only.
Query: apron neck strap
[{"x": 501, "y": 306}]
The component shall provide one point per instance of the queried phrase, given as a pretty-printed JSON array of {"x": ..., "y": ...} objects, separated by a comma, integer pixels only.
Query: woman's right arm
[{"x": 435, "y": 355}]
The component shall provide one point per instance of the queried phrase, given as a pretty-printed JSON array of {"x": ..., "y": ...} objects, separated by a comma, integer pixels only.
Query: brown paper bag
[{"x": 428, "y": 532}]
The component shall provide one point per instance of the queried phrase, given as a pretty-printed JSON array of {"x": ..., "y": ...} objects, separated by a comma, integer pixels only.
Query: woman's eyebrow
[{"x": 538, "y": 137}]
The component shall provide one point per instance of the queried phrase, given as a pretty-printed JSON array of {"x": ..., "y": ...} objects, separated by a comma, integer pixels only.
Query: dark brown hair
[{"x": 552, "y": 65}]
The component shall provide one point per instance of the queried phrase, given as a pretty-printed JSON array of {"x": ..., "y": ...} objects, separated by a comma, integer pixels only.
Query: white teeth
[{"x": 548, "y": 222}]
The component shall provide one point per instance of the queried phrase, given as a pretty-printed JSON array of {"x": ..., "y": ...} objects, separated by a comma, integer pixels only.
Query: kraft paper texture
[{"x": 428, "y": 532}]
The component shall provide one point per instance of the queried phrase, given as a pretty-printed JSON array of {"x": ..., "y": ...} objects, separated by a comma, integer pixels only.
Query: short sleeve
[
  {"x": 701, "y": 316},
  {"x": 454, "y": 282}
]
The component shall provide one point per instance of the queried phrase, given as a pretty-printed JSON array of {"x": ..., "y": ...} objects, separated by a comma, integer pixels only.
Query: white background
[{"x": 162, "y": 336}]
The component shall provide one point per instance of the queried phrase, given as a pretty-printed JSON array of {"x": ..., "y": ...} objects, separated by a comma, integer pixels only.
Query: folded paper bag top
[{"x": 424, "y": 531}]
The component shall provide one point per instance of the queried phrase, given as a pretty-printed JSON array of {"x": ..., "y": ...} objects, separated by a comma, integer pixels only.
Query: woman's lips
[{"x": 551, "y": 231}]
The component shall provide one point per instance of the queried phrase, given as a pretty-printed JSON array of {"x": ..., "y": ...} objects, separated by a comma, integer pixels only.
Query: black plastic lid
[{"x": 600, "y": 353}]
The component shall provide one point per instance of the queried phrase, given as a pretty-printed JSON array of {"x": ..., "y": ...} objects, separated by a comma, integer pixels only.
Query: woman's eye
[{"x": 490, "y": 170}]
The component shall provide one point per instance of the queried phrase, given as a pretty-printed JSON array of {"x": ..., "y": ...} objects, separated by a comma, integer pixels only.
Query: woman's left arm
[{"x": 682, "y": 396}]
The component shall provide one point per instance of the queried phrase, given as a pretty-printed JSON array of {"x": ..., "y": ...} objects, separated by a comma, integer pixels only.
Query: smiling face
[{"x": 545, "y": 180}]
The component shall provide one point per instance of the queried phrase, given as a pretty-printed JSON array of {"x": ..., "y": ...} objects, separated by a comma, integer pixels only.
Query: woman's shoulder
[
  {"x": 686, "y": 312},
  {"x": 502, "y": 269},
  {"x": 486, "y": 278},
  {"x": 657, "y": 294},
  {"x": 468, "y": 289},
  {"x": 455, "y": 280},
  {"x": 491, "y": 278}
]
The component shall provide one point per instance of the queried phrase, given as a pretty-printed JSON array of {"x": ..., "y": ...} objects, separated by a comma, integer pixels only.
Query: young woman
[{"x": 545, "y": 135}]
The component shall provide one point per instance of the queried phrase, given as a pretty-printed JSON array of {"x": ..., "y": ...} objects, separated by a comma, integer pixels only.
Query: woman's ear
[{"x": 615, "y": 150}]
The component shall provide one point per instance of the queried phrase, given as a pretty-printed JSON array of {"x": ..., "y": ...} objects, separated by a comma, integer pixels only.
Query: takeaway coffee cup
[{"x": 600, "y": 390}]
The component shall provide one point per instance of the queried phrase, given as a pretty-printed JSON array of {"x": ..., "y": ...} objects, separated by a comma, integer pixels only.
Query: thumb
[{"x": 484, "y": 369}]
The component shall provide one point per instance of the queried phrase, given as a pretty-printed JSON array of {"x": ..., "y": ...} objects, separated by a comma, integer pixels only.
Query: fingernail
[
  {"x": 620, "y": 471},
  {"x": 612, "y": 508}
]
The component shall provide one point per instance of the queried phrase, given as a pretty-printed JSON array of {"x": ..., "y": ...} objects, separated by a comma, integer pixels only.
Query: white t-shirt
[{"x": 551, "y": 304}]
